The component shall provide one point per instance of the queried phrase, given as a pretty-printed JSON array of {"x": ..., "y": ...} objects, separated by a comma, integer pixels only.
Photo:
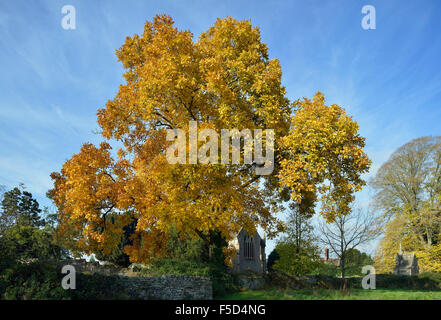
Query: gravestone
[{"x": 406, "y": 264}]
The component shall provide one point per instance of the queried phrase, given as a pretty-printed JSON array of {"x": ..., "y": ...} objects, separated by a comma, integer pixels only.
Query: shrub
[
  {"x": 424, "y": 281},
  {"x": 98, "y": 287},
  {"x": 42, "y": 281},
  {"x": 31, "y": 282},
  {"x": 176, "y": 267}
]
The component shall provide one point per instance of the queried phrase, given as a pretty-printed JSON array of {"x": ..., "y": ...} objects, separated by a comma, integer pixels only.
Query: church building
[{"x": 250, "y": 253}]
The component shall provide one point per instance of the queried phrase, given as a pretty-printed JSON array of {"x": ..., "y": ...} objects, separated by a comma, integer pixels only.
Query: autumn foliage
[
  {"x": 408, "y": 189},
  {"x": 223, "y": 80}
]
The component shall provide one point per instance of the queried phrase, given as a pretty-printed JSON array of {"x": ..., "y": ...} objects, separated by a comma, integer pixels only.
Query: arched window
[{"x": 248, "y": 248}]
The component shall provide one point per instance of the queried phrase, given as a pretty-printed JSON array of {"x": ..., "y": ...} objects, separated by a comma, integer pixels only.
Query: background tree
[
  {"x": 225, "y": 79},
  {"x": 297, "y": 249},
  {"x": 408, "y": 194},
  {"x": 299, "y": 229},
  {"x": 19, "y": 207},
  {"x": 355, "y": 261},
  {"x": 25, "y": 236},
  {"x": 272, "y": 258},
  {"x": 296, "y": 261},
  {"x": 3, "y": 222},
  {"x": 348, "y": 232}
]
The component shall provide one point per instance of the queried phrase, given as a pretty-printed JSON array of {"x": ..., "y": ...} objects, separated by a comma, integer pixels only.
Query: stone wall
[
  {"x": 168, "y": 287},
  {"x": 81, "y": 265},
  {"x": 251, "y": 282}
]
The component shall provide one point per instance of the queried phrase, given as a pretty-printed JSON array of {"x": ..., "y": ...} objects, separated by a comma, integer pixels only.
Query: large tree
[
  {"x": 408, "y": 193},
  {"x": 224, "y": 80}
]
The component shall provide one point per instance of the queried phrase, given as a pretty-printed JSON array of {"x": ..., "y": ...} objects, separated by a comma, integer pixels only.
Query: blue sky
[{"x": 53, "y": 80}]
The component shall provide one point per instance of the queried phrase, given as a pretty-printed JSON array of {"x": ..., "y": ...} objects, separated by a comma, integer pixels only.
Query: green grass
[{"x": 325, "y": 294}]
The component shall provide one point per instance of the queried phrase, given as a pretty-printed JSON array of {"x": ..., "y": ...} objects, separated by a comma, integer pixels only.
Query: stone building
[
  {"x": 327, "y": 259},
  {"x": 406, "y": 264},
  {"x": 250, "y": 253}
]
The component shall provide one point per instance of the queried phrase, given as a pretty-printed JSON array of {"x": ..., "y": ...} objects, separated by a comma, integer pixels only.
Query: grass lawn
[{"x": 323, "y": 294}]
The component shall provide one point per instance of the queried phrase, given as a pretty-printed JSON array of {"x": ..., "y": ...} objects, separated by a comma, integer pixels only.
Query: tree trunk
[
  {"x": 429, "y": 237},
  {"x": 342, "y": 266}
]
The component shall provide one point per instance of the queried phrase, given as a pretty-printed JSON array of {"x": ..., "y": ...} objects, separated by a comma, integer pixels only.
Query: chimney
[{"x": 326, "y": 254}]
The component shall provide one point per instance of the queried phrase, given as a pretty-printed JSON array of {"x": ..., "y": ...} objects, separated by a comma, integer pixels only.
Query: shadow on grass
[{"x": 332, "y": 294}]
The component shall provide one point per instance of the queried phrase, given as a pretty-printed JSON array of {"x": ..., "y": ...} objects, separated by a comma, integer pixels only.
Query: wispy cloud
[{"x": 53, "y": 80}]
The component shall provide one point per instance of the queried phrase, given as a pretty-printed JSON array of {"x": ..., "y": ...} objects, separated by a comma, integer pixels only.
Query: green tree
[
  {"x": 272, "y": 258},
  {"x": 23, "y": 243},
  {"x": 355, "y": 261},
  {"x": 297, "y": 250},
  {"x": 20, "y": 208},
  {"x": 3, "y": 222},
  {"x": 296, "y": 261},
  {"x": 299, "y": 229},
  {"x": 25, "y": 236}
]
